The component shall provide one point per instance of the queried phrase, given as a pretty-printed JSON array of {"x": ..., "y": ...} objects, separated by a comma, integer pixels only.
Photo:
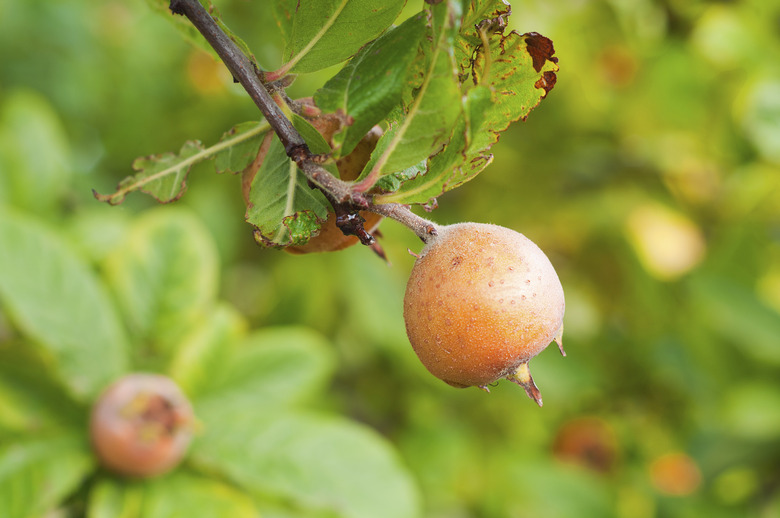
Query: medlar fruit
[
  {"x": 141, "y": 425},
  {"x": 481, "y": 301}
]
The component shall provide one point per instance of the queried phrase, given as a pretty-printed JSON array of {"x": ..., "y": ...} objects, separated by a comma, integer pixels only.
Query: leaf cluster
[{"x": 443, "y": 84}]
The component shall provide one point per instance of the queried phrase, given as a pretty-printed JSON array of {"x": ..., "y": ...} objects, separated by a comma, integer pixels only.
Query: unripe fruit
[
  {"x": 481, "y": 301},
  {"x": 141, "y": 425}
]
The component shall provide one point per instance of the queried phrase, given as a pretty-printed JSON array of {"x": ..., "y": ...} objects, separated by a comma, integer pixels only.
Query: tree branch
[
  {"x": 246, "y": 73},
  {"x": 242, "y": 69}
]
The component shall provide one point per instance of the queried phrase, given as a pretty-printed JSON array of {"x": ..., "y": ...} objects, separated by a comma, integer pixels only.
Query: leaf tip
[{"x": 112, "y": 199}]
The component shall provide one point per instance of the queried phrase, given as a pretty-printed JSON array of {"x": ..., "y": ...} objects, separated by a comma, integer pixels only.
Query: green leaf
[
  {"x": 164, "y": 276},
  {"x": 31, "y": 399},
  {"x": 319, "y": 462},
  {"x": 326, "y": 32},
  {"x": 520, "y": 73},
  {"x": 427, "y": 122},
  {"x": 36, "y": 475},
  {"x": 238, "y": 147},
  {"x": 56, "y": 301},
  {"x": 282, "y": 206},
  {"x": 451, "y": 167},
  {"x": 34, "y": 152},
  {"x": 370, "y": 85},
  {"x": 162, "y": 176},
  {"x": 271, "y": 368},
  {"x": 178, "y": 495},
  {"x": 206, "y": 348},
  {"x": 735, "y": 312}
]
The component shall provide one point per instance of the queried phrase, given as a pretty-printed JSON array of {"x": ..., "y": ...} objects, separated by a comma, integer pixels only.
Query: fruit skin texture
[
  {"x": 481, "y": 301},
  {"x": 141, "y": 425}
]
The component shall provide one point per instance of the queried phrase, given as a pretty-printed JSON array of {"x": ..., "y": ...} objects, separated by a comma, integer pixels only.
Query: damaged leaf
[
  {"x": 504, "y": 86},
  {"x": 282, "y": 206},
  {"x": 164, "y": 176}
]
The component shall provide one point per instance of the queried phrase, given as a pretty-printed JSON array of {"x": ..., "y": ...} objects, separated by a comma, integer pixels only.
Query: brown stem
[{"x": 424, "y": 229}]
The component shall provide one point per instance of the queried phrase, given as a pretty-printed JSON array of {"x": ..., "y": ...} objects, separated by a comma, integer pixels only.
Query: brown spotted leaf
[
  {"x": 489, "y": 15},
  {"x": 503, "y": 87}
]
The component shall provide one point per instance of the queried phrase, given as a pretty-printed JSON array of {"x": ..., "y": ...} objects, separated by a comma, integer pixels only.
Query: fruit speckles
[{"x": 501, "y": 309}]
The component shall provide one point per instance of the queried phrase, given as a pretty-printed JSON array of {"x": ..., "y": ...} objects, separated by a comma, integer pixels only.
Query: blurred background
[{"x": 650, "y": 176}]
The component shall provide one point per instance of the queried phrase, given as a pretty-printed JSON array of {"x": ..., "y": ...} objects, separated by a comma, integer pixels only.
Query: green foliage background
[{"x": 650, "y": 175}]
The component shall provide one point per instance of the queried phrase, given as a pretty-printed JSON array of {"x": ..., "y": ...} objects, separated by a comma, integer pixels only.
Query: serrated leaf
[
  {"x": 322, "y": 33},
  {"x": 284, "y": 11},
  {"x": 35, "y": 475},
  {"x": 272, "y": 368},
  {"x": 162, "y": 176},
  {"x": 282, "y": 206},
  {"x": 370, "y": 85},
  {"x": 56, "y": 301},
  {"x": 179, "y": 495},
  {"x": 427, "y": 123},
  {"x": 164, "y": 276},
  {"x": 239, "y": 146},
  {"x": 520, "y": 74},
  {"x": 320, "y": 463}
]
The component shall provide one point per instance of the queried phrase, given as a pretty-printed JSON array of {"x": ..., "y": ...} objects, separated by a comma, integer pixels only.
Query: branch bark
[{"x": 247, "y": 74}]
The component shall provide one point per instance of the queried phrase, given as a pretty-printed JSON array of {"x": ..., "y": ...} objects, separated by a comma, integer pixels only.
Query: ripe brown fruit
[
  {"x": 481, "y": 301},
  {"x": 141, "y": 425}
]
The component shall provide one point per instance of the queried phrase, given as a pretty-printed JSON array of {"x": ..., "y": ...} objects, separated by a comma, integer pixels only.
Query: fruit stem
[
  {"x": 426, "y": 230},
  {"x": 522, "y": 376}
]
